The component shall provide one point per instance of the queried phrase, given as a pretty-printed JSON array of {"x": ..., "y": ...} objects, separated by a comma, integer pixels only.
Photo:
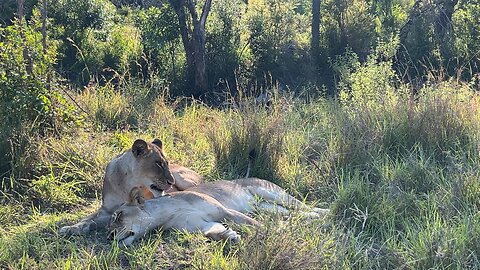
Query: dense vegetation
[{"x": 374, "y": 114}]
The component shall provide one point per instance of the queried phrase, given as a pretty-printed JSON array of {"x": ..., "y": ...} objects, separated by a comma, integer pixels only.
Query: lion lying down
[
  {"x": 203, "y": 208},
  {"x": 144, "y": 165}
]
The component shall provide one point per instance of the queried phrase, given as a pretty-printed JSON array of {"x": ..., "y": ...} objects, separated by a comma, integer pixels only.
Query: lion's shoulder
[{"x": 185, "y": 177}]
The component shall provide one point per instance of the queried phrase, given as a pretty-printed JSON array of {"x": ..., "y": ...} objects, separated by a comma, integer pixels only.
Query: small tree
[{"x": 193, "y": 38}]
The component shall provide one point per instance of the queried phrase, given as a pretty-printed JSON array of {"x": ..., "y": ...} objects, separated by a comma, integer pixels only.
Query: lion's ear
[
  {"x": 136, "y": 197},
  {"x": 139, "y": 147},
  {"x": 158, "y": 143}
]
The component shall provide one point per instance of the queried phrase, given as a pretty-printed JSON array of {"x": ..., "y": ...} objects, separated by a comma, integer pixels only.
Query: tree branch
[
  {"x": 193, "y": 12},
  {"x": 205, "y": 11},
  {"x": 185, "y": 31}
]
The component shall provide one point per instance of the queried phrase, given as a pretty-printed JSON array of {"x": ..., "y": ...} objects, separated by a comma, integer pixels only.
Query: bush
[
  {"x": 278, "y": 40},
  {"x": 124, "y": 48},
  {"x": 30, "y": 104},
  {"x": 82, "y": 27},
  {"x": 97, "y": 43},
  {"x": 466, "y": 28},
  {"x": 223, "y": 44},
  {"x": 164, "y": 52},
  {"x": 349, "y": 24}
]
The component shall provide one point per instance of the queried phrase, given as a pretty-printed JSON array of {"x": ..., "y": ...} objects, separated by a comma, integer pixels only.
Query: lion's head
[
  {"x": 130, "y": 221},
  {"x": 151, "y": 164}
]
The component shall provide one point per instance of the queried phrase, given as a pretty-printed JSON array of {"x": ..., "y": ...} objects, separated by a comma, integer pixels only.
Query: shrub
[
  {"x": 466, "y": 28},
  {"x": 96, "y": 43},
  {"x": 278, "y": 40},
  {"x": 124, "y": 47},
  {"x": 223, "y": 44},
  {"x": 163, "y": 51},
  {"x": 30, "y": 104}
]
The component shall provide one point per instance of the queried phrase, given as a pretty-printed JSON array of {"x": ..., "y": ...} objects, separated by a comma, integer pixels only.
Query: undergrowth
[{"x": 399, "y": 173}]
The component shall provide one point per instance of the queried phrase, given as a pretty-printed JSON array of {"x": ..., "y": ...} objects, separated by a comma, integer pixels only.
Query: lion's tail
[{"x": 252, "y": 155}]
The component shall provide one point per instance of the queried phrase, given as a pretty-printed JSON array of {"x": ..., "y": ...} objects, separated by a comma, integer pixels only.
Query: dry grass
[{"x": 401, "y": 180}]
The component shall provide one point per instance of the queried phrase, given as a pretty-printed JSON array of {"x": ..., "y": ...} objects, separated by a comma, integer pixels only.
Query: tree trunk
[
  {"x": 198, "y": 41},
  {"x": 194, "y": 41},
  {"x": 20, "y": 10},
  {"x": 185, "y": 32},
  {"x": 315, "y": 41},
  {"x": 443, "y": 25}
]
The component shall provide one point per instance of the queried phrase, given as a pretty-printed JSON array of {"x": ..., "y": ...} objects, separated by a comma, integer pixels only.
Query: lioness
[
  {"x": 203, "y": 208},
  {"x": 184, "y": 210},
  {"x": 143, "y": 165}
]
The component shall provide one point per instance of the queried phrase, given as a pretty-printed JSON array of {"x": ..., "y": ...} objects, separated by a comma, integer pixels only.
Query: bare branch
[
  {"x": 193, "y": 12},
  {"x": 205, "y": 11},
  {"x": 185, "y": 31}
]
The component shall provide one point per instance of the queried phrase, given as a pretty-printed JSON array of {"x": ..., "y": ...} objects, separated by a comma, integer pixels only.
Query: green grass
[{"x": 401, "y": 178}]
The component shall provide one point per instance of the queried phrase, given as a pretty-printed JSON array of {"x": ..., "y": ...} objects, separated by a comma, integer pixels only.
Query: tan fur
[
  {"x": 184, "y": 210},
  {"x": 144, "y": 165},
  {"x": 203, "y": 208}
]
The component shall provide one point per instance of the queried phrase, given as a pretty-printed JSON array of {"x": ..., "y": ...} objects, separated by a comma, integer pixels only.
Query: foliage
[
  {"x": 466, "y": 28},
  {"x": 8, "y": 8},
  {"x": 161, "y": 40},
  {"x": 27, "y": 106},
  {"x": 353, "y": 26},
  {"x": 100, "y": 40},
  {"x": 278, "y": 38},
  {"x": 94, "y": 43},
  {"x": 223, "y": 44},
  {"x": 368, "y": 84}
]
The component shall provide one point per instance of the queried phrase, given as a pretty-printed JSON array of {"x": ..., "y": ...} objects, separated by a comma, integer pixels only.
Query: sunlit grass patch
[{"x": 401, "y": 181}]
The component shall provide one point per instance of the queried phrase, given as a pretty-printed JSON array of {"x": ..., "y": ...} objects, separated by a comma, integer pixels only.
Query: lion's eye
[{"x": 160, "y": 165}]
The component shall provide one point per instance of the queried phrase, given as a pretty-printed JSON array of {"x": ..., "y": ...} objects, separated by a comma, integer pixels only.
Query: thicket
[
  {"x": 100, "y": 41},
  {"x": 31, "y": 102},
  {"x": 400, "y": 174}
]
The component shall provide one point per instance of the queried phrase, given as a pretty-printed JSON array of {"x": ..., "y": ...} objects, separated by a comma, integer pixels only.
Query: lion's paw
[
  {"x": 67, "y": 230},
  {"x": 233, "y": 237},
  {"x": 73, "y": 230}
]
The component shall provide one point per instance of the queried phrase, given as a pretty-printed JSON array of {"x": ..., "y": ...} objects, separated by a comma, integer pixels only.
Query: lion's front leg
[
  {"x": 217, "y": 231},
  {"x": 92, "y": 222}
]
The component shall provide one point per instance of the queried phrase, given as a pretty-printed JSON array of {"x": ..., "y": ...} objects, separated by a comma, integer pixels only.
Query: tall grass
[{"x": 399, "y": 173}]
